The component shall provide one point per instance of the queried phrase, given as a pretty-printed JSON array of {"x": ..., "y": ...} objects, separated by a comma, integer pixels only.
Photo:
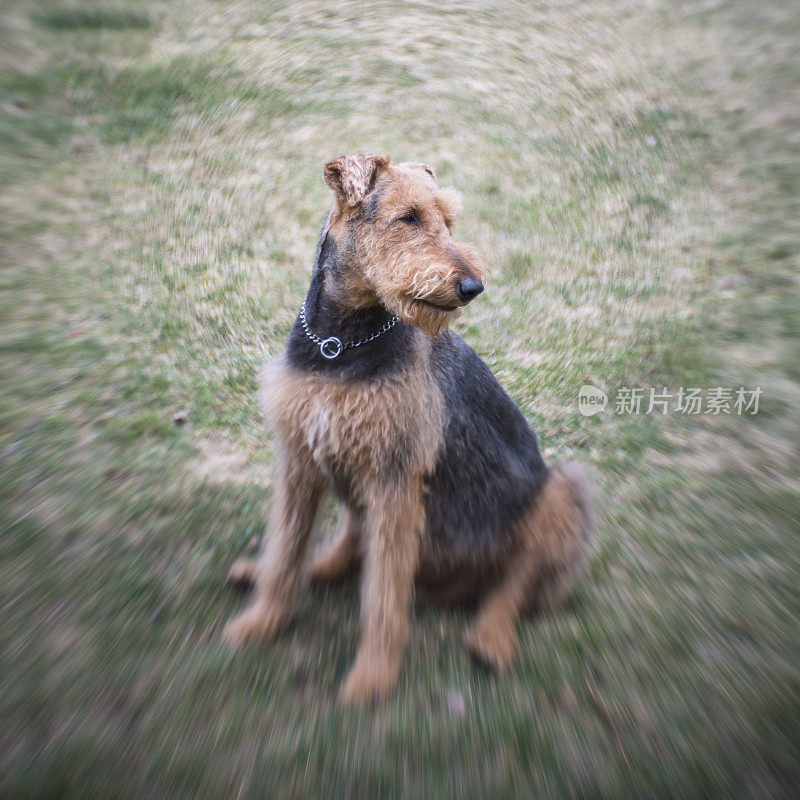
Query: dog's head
[{"x": 392, "y": 227}]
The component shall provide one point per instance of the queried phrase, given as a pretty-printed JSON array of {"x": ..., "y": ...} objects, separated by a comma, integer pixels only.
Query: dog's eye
[{"x": 410, "y": 219}]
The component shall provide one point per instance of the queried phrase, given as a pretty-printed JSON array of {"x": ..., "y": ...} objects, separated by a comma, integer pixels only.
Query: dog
[{"x": 376, "y": 400}]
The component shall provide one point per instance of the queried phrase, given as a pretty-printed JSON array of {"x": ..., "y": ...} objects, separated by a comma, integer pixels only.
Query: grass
[
  {"x": 68, "y": 19},
  {"x": 629, "y": 173}
]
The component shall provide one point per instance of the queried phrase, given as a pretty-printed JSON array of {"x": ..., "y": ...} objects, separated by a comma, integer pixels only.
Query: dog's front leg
[
  {"x": 393, "y": 525},
  {"x": 279, "y": 572}
]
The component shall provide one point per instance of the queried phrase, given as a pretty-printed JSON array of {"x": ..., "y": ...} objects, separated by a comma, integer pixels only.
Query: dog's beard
[
  {"x": 422, "y": 297},
  {"x": 432, "y": 321}
]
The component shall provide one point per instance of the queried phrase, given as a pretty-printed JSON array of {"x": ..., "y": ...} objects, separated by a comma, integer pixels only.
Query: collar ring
[{"x": 331, "y": 347}]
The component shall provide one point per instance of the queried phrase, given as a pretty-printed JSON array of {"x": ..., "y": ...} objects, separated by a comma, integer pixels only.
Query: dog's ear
[
  {"x": 352, "y": 177},
  {"x": 418, "y": 165},
  {"x": 428, "y": 169}
]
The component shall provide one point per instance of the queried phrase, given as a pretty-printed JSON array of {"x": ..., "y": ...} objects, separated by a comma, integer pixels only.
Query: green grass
[
  {"x": 629, "y": 173},
  {"x": 68, "y": 19}
]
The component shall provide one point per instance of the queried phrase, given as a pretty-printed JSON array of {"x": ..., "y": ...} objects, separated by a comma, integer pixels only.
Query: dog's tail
[{"x": 562, "y": 534}]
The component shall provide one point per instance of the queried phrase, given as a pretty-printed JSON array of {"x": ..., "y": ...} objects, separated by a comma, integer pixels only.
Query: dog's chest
[{"x": 356, "y": 430}]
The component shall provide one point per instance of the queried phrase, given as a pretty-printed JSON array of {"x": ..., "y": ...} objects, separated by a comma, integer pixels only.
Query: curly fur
[{"x": 442, "y": 479}]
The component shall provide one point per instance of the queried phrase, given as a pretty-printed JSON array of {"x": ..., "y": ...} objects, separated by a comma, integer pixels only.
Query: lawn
[{"x": 631, "y": 175}]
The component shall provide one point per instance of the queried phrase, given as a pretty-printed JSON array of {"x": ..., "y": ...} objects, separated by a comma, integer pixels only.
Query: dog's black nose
[{"x": 469, "y": 288}]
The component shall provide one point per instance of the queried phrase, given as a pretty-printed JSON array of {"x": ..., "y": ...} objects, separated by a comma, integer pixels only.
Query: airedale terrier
[{"x": 378, "y": 402}]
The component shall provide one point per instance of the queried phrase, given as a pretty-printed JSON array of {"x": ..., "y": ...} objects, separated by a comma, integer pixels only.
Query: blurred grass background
[{"x": 630, "y": 173}]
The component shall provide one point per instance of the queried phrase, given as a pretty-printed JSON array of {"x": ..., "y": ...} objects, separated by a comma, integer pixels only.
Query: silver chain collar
[{"x": 333, "y": 346}]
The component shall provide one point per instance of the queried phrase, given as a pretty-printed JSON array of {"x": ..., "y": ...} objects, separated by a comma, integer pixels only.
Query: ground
[{"x": 631, "y": 173}]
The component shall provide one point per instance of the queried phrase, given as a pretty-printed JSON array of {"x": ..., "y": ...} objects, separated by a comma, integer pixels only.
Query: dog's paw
[
  {"x": 492, "y": 644},
  {"x": 242, "y": 574},
  {"x": 256, "y": 624},
  {"x": 366, "y": 685}
]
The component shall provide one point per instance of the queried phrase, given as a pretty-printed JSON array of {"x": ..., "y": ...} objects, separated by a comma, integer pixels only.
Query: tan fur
[
  {"x": 356, "y": 426},
  {"x": 395, "y": 519},
  {"x": 376, "y": 440},
  {"x": 350, "y": 176},
  {"x": 279, "y": 571},
  {"x": 401, "y": 272},
  {"x": 243, "y": 572},
  {"x": 360, "y": 430},
  {"x": 550, "y": 545}
]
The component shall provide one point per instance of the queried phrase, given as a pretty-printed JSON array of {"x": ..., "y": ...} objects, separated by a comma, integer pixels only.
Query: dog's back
[{"x": 489, "y": 467}]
